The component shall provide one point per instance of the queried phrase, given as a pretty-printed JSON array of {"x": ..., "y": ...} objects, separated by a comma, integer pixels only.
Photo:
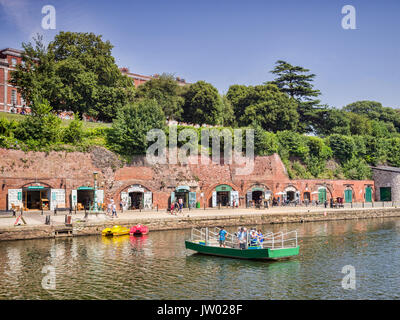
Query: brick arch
[
  {"x": 248, "y": 186},
  {"x": 329, "y": 188},
  {"x": 208, "y": 193},
  {"x": 116, "y": 195},
  {"x": 35, "y": 182},
  {"x": 353, "y": 192}
]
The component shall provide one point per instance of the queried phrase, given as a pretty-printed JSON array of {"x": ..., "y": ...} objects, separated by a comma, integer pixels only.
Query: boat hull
[{"x": 254, "y": 254}]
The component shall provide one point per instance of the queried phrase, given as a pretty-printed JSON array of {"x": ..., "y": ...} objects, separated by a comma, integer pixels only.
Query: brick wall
[{"x": 70, "y": 170}]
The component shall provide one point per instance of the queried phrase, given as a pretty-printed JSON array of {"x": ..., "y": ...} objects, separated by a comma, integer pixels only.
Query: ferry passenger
[
  {"x": 260, "y": 237},
  {"x": 242, "y": 236},
  {"x": 222, "y": 239},
  {"x": 253, "y": 238}
]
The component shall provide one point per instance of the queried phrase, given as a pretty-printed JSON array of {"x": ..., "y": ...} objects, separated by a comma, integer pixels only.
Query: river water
[{"x": 158, "y": 266}]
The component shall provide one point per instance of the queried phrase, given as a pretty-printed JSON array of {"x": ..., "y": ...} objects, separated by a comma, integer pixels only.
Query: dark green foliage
[
  {"x": 343, "y": 147},
  {"x": 41, "y": 128},
  {"x": 167, "y": 92},
  {"x": 296, "y": 81},
  {"x": 133, "y": 122},
  {"x": 76, "y": 71},
  {"x": 203, "y": 104},
  {"x": 74, "y": 132},
  {"x": 357, "y": 169}
]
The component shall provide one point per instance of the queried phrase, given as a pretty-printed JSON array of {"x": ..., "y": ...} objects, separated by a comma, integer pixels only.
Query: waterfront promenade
[
  {"x": 93, "y": 224},
  {"x": 35, "y": 218}
]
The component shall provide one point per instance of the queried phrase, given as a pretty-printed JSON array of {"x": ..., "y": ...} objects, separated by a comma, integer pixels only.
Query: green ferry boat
[{"x": 274, "y": 246}]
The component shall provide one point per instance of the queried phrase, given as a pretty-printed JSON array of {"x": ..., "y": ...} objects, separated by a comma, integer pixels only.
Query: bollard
[
  {"x": 55, "y": 212},
  {"x": 69, "y": 219},
  {"x": 65, "y": 218},
  {"x": 47, "y": 220}
]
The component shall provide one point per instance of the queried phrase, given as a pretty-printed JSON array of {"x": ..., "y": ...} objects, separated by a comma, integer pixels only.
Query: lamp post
[{"x": 95, "y": 209}]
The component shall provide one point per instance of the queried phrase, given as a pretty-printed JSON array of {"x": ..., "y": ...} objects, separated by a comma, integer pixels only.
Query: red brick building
[{"x": 10, "y": 98}]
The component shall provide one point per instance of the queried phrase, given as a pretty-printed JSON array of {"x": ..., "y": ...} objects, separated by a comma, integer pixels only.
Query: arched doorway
[
  {"x": 137, "y": 197},
  {"x": 224, "y": 195},
  {"x": 291, "y": 194},
  {"x": 348, "y": 195},
  {"x": 257, "y": 194}
]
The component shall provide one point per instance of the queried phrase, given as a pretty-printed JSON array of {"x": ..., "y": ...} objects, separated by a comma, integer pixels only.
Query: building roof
[{"x": 387, "y": 168}]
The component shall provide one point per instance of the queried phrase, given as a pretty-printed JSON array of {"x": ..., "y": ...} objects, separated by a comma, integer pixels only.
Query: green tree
[
  {"x": 203, "y": 104},
  {"x": 240, "y": 98},
  {"x": 74, "y": 132},
  {"x": 357, "y": 169},
  {"x": 130, "y": 128},
  {"x": 343, "y": 147},
  {"x": 297, "y": 82},
  {"x": 228, "y": 116},
  {"x": 272, "y": 110},
  {"x": 166, "y": 91},
  {"x": 326, "y": 121},
  {"x": 265, "y": 143},
  {"x": 77, "y": 72},
  {"x": 42, "y": 127}
]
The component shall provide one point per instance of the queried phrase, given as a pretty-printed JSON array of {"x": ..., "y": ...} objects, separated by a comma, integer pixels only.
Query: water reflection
[{"x": 157, "y": 266}]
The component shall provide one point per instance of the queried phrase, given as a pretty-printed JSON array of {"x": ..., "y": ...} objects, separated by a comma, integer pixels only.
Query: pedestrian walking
[{"x": 114, "y": 211}]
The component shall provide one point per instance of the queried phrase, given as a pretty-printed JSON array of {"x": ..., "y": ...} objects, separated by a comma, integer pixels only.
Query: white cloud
[{"x": 21, "y": 14}]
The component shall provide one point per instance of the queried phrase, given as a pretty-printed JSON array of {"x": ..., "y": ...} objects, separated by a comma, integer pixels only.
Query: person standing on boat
[
  {"x": 242, "y": 237},
  {"x": 260, "y": 237},
  {"x": 222, "y": 238}
]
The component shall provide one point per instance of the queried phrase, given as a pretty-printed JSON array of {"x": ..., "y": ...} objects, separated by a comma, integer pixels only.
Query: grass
[{"x": 64, "y": 123}]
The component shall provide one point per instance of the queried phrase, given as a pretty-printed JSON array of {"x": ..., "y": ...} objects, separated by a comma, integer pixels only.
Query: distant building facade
[{"x": 10, "y": 98}]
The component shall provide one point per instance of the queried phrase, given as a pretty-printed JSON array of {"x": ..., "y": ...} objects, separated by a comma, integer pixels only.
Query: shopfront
[
  {"x": 291, "y": 194},
  {"x": 257, "y": 194},
  {"x": 137, "y": 197},
  {"x": 36, "y": 197},
  {"x": 224, "y": 196},
  {"x": 183, "y": 192},
  {"x": 83, "y": 198}
]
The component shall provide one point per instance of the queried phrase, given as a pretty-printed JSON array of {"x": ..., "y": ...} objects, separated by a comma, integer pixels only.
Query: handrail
[{"x": 271, "y": 240}]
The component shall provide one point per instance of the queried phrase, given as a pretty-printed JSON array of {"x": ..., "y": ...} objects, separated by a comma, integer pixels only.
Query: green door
[
  {"x": 368, "y": 194},
  {"x": 386, "y": 194},
  {"x": 348, "y": 196},
  {"x": 321, "y": 195}
]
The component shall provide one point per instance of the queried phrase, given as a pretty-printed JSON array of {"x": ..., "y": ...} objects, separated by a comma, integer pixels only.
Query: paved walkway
[{"x": 36, "y": 218}]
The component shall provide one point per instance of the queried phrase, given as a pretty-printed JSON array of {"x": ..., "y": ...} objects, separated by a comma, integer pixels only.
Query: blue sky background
[{"x": 227, "y": 42}]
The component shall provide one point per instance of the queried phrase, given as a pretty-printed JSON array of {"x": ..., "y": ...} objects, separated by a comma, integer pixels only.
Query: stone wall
[
  {"x": 213, "y": 220},
  {"x": 385, "y": 178}
]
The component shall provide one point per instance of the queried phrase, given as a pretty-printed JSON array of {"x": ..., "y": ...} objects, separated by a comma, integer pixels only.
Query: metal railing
[{"x": 271, "y": 240}]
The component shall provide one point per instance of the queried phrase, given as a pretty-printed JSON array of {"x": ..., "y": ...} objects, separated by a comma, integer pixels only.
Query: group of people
[
  {"x": 255, "y": 237},
  {"x": 177, "y": 207},
  {"x": 112, "y": 208}
]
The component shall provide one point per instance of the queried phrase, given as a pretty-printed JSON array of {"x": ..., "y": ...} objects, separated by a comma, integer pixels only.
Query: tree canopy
[{"x": 76, "y": 72}]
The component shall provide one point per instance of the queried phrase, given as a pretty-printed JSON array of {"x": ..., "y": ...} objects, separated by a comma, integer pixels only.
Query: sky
[{"x": 226, "y": 42}]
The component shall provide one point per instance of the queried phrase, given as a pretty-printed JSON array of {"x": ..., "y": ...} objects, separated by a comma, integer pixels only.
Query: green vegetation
[{"x": 78, "y": 71}]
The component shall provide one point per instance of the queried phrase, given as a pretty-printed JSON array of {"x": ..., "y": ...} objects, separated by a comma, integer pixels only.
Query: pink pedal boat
[{"x": 139, "y": 230}]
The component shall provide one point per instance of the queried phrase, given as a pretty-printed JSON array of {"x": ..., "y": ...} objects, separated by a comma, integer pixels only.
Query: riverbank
[{"x": 156, "y": 221}]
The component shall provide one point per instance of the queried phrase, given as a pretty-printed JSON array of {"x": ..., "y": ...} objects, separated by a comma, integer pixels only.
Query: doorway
[
  {"x": 223, "y": 198},
  {"x": 85, "y": 198},
  {"x": 136, "y": 200},
  {"x": 36, "y": 198}
]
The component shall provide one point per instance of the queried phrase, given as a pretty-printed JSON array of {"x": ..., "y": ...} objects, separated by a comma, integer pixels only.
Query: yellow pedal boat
[{"x": 115, "y": 231}]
